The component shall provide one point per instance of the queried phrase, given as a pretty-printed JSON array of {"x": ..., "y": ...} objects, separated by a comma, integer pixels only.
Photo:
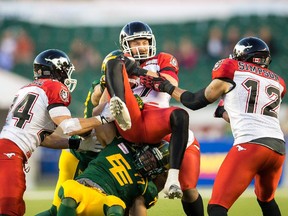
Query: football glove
[
  {"x": 220, "y": 109},
  {"x": 105, "y": 115},
  {"x": 159, "y": 84},
  {"x": 133, "y": 68},
  {"x": 87, "y": 143}
]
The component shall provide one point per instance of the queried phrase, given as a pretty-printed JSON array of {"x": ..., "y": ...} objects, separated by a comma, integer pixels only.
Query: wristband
[
  {"x": 74, "y": 142},
  {"x": 219, "y": 112},
  {"x": 140, "y": 71},
  {"x": 102, "y": 119},
  {"x": 169, "y": 88}
]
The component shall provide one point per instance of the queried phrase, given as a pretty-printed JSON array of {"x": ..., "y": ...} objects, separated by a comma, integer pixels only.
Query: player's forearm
[
  {"x": 177, "y": 93},
  {"x": 138, "y": 208},
  {"x": 86, "y": 125},
  {"x": 76, "y": 126},
  {"x": 55, "y": 141},
  {"x": 194, "y": 101}
]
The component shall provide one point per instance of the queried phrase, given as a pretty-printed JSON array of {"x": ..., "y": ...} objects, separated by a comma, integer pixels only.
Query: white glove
[
  {"x": 105, "y": 116},
  {"x": 90, "y": 143}
]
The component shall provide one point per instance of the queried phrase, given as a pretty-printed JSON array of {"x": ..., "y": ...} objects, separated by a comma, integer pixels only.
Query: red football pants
[
  {"x": 12, "y": 179},
  {"x": 243, "y": 163},
  {"x": 149, "y": 125}
]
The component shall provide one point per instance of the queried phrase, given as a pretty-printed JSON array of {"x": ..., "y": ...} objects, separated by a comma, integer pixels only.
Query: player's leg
[
  {"x": 179, "y": 123},
  {"x": 68, "y": 168},
  {"x": 89, "y": 201},
  {"x": 192, "y": 202},
  {"x": 267, "y": 180},
  {"x": 235, "y": 174},
  {"x": 114, "y": 206},
  {"x": 12, "y": 179},
  {"x": 67, "y": 207},
  {"x": 117, "y": 84},
  {"x": 123, "y": 101}
]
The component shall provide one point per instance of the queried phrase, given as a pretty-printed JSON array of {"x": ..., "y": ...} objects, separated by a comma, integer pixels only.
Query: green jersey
[{"x": 114, "y": 171}]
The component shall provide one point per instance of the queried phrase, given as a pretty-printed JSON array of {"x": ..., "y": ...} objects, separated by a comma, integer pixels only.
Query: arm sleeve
[{"x": 194, "y": 101}]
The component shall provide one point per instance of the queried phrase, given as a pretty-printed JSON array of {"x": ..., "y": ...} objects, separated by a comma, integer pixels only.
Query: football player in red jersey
[
  {"x": 36, "y": 111},
  {"x": 154, "y": 118},
  {"x": 252, "y": 95}
]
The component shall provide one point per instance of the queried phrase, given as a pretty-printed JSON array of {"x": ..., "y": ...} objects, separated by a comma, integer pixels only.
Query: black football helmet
[
  {"x": 254, "y": 50},
  {"x": 151, "y": 160},
  {"x": 137, "y": 30},
  {"x": 54, "y": 64}
]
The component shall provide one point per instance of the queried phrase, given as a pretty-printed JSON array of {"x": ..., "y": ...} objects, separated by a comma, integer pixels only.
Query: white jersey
[
  {"x": 253, "y": 105},
  {"x": 29, "y": 118},
  {"x": 161, "y": 63}
]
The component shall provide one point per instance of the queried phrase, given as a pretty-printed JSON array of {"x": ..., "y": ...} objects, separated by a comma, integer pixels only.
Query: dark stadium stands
[{"x": 105, "y": 39}]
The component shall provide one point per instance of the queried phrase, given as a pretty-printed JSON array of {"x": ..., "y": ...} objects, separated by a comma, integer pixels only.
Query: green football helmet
[{"x": 151, "y": 160}]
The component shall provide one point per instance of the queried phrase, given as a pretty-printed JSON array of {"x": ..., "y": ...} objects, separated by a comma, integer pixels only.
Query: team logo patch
[
  {"x": 64, "y": 95},
  {"x": 240, "y": 148},
  {"x": 58, "y": 62},
  {"x": 240, "y": 49},
  {"x": 217, "y": 65},
  {"x": 9, "y": 155},
  {"x": 174, "y": 62}
]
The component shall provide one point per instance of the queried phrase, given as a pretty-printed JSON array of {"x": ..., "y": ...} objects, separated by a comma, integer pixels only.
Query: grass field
[{"x": 245, "y": 206}]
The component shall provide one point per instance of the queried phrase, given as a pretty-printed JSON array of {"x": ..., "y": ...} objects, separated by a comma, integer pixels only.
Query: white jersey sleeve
[{"x": 28, "y": 120}]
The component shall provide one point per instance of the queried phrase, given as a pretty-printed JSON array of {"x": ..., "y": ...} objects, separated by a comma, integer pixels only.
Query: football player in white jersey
[
  {"x": 252, "y": 95},
  {"x": 155, "y": 118},
  {"x": 36, "y": 111}
]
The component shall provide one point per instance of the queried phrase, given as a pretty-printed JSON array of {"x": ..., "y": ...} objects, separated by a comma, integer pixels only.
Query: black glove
[
  {"x": 160, "y": 84},
  {"x": 220, "y": 109},
  {"x": 133, "y": 68}
]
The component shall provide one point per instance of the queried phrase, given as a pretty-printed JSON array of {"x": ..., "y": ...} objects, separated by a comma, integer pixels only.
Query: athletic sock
[{"x": 195, "y": 208}]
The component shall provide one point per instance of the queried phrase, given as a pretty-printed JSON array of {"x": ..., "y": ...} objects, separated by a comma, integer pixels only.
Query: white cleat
[
  {"x": 172, "y": 186},
  {"x": 174, "y": 191},
  {"x": 120, "y": 112}
]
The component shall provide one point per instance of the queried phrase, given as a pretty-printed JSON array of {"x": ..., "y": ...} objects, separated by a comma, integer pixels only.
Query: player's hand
[
  {"x": 160, "y": 84},
  {"x": 102, "y": 82},
  {"x": 133, "y": 68},
  {"x": 220, "y": 109},
  {"x": 90, "y": 143}
]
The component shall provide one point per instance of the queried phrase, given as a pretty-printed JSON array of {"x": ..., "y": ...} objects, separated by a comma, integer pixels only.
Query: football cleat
[
  {"x": 120, "y": 112},
  {"x": 174, "y": 191}
]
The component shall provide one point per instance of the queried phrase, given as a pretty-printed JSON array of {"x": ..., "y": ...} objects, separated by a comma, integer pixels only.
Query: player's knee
[
  {"x": 67, "y": 189},
  {"x": 115, "y": 210},
  {"x": 69, "y": 202},
  {"x": 216, "y": 210},
  {"x": 179, "y": 117},
  {"x": 190, "y": 195}
]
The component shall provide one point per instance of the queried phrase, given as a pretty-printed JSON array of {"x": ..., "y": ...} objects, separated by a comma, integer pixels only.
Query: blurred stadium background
[{"x": 198, "y": 33}]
